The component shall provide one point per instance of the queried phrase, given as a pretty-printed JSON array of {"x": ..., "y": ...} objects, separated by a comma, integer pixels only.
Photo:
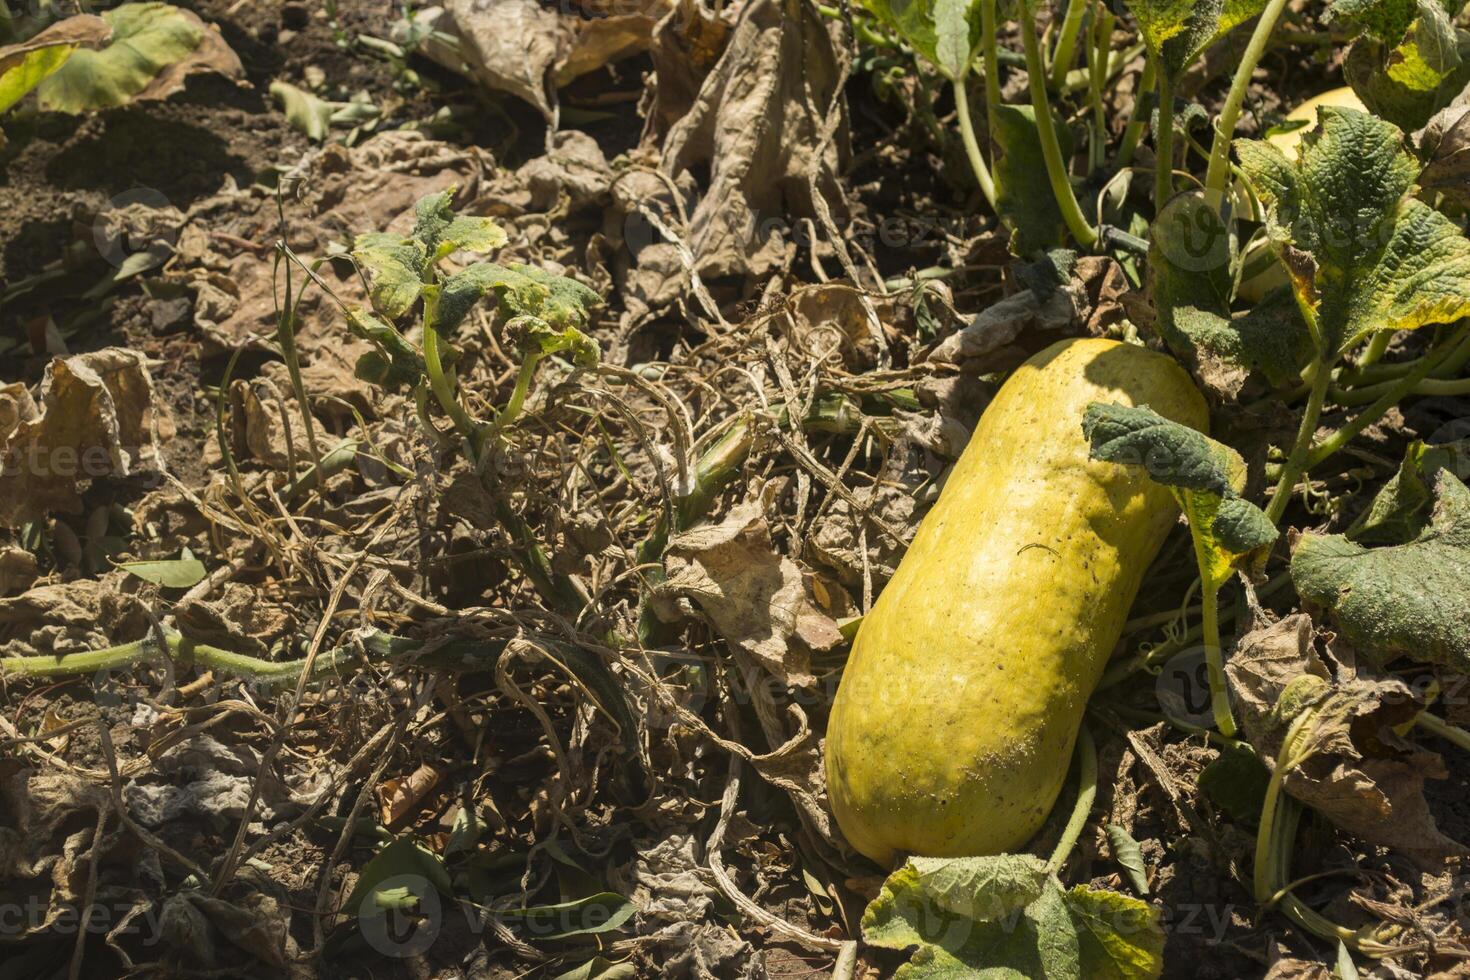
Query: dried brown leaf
[
  {"x": 100, "y": 417},
  {"x": 1361, "y": 774},
  {"x": 756, "y": 599}
]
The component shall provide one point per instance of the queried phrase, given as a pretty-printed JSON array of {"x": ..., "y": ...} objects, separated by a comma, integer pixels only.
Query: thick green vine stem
[
  {"x": 1280, "y": 815},
  {"x": 972, "y": 145},
  {"x": 1215, "y": 661},
  {"x": 439, "y": 382},
  {"x": 1391, "y": 396},
  {"x": 1086, "y": 796},
  {"x": 1219, "y": 170},
  {"x": 1296, "y": 461},
  {"x": 1051, "y": 147},
  {"x": 1164, "y": 145},
  {"x": 1066, "y": 48},
  {"x": 1443, "y": 729}
]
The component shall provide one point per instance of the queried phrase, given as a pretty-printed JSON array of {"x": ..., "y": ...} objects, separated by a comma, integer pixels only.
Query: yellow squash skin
[{"x": 953, "y": 726}]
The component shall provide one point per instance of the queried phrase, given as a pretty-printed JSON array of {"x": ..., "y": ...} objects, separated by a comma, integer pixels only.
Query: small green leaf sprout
[{"x": 546, "y": 312}]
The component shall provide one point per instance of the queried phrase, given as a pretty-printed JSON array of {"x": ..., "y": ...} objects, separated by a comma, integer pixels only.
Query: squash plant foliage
[{"x": 1354, "y": 234}]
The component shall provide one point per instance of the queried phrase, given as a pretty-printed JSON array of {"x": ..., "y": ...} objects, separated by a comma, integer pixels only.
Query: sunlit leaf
[
  {"x": 1362, "y": 255},
  {"x": 24, "y": 65},
  {"x": 154, "y": 46}
]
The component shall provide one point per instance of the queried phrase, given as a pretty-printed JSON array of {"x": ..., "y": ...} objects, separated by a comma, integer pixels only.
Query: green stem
[
  {"x": 1442, "y": 728},
  {"x": 1296, "y": 461},
  {"x": 972, "y": 146},
  {"x": 1100, "y": 53},
  {"x": 1164, "y": 145},
  {"x": 1449, "y": 368},
  {"x": 1066, "y": 47},
  {"x": 1123, "y": 669},
  {"x": 1377, "y": 347},
  {"x": 1133, "y": 134},
  {"x": 1391, "y": 397},
  {"x": 990, "y": 47},
  {"x": 1265, "y": 873},
  {"x": 1214, "y": 659},
  {"x": 1219, "y": 170},
  {"x": 1051, "y": 148},
  {"x": 438, "y": 381},
  {"x": 286, "y": 338},
  {"x": 1086, "y": 795},
  {"x": 512, "y": 410}
]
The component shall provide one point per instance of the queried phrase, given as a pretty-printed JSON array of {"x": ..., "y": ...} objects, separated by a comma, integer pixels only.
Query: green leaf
[
  {"x": 146, "y": 39},
  {"x": 1024, "y": 195},
  {"x": 944, "y": 32},
  {"x": 1409, "y": 82},
  {"x": 1205, "y": 476},
  {"x": 395, "y": 363},
  {"x": 179, "y": 573},
  {"x": 1411, "y": 599},
  {"x": 308, "y": 113},
  {"x": 1176, "y": 31},
  {"x": 397, "y": 877},
  {"x": 1362, "y": 256},
  {"x": 1386, "y": 20},
  {"x": 1191, "y": 254},
  {"x": 1119, "y": 937},
  {"x": 23, "y": 66},
  {"x": 1236, "y": 782},
  {"x": 1129, "y": 857},
  {"x": 395, "y": 267},
  {"x": 1400, "y": 511},
  {"x": 595, "y": 914},
  {"x": 443, "y": 232},
  {"x": 976, "y": 888},
  {"x": 1008, "y": 918},
  {"x": 521, "y": 290}
]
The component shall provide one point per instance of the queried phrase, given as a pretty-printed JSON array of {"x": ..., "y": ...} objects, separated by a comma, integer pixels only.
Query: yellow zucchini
[{"x": 953, "y": 725}]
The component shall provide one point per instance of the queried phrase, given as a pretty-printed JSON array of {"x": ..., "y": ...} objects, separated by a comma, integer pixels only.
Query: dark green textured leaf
[
  {"x": 1230, "y": 532},
  {"x": 1242, "y": 527},
  {"x": 1362, "y": 256},
  {"x": 1172, "y": 454},
  {"x": 1129, "y": 857},
  {"x": 1024, "y": 195},
  {"x": 395, "y": 363},
  {"x": 1411, "y": 599},
  {"x": 1191, "y": 257},
  {"x": 443, "y": 232},
  {"x": 1178, "y": 31}
]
